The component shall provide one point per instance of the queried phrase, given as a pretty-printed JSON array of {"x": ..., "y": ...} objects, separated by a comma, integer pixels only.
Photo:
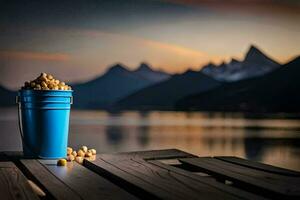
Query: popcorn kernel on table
[
  {"x": 84, "y": 149},
  {"x": 69, "y": 150},
  {"x": 62, "y": 162},
  {"x": 80, "y": 153},
  {"x": 93, "y": 151},
  {"x": 79, "y": 159},
  {"x": 74, "y": 153},
  {"x": 70, "y": 158},
  {"x": 88, "y": 154}
]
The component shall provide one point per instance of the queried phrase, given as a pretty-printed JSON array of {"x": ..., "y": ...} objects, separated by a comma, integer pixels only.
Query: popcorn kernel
[
  {"x": 88, "y": 154},
  {"x": 46, "y": 82},
  {"x": 74, "y": 153},
  {"x": 79, "y": 159},
  {"x": 62, "y": 162},
  {"x": 70, "y": 158},
  {"x": 84, "y": 149},
  {"x": 69, "y": 150},
  {"x": 80, "y": 153}
]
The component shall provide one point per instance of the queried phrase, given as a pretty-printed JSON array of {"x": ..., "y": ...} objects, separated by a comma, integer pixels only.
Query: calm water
[{"x": 273, "y": 141}]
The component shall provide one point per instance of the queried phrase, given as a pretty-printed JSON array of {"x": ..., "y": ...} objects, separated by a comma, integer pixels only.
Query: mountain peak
[
  {"x": 210, "y": 64},
  {"x": 254, "y": 53},
  {"x": 144, "y": 67},
  {"x": 146, "y": 72},
  {"x": 233, "y": 61},
  {"x": 223, "y": 64},
  {"x": 253, "y": 48},
  {"x": 189, "y": 71},
  {"x": 117, "y": 68}
]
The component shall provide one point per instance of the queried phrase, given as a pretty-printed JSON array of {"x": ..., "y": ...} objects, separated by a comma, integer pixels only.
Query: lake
[{"x": 273, "y": 140}]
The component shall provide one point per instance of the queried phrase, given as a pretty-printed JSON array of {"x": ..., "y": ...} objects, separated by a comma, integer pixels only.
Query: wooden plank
[
  {"x": 13, "y": 184},
  {"x": 147, "y": 155},
  {"x": 47, "y": 181},
  {"x": 261, "y": 182},
  {"x": 150, "y": 181},
  {"x": 87, "y": 184},
  {"x": 160, "y": 154},
  {"x": 210, "y": 181},
  {"x": 259, "y": 166}
]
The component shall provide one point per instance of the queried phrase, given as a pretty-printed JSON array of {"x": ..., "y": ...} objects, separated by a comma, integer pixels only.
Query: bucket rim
[
  {"x": 41, "y": 91},
  {"x": 45, "y": 93},
  {"x": 29, "y": 96}
]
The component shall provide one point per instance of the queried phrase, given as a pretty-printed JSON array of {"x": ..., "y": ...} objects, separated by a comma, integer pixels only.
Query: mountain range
[
  {"x": 255, "y": 63},
  {"x": 277, "y": 91},
  {"x": 257, "y": 83},
  {"x": 164, "y": 95},
  {"x": 116, "y": 83}
]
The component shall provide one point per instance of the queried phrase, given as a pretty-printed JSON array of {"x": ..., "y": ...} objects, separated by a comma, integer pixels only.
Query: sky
[{"x": 79, "y": 40}]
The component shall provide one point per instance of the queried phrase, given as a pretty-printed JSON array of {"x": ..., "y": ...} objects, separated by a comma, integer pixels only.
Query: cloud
[
  {"x": 28, "y": 55},
  {"x": 99, "y": 48},
  {"x": 172, "y": 57},
  {"x": 176, "y": 49},
  {"x": 173, "y": 48}
]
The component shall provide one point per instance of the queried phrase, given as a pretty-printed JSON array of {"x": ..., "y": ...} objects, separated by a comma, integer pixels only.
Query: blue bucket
[{"x": 44, "y": 122}]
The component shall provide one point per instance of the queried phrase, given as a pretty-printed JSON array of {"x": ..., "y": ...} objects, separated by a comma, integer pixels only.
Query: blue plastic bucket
[{"x": 44, "y": 122}]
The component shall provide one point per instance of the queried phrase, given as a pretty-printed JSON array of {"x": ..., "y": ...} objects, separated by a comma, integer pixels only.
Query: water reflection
[
  {"x": 274, "y": 141},
  {"x": 114, "y": 135}
]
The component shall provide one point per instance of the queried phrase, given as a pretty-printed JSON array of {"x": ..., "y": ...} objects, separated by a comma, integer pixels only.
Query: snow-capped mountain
[
  {"x": 277, "y": 91},
  {"x": 256, "y": 63}
]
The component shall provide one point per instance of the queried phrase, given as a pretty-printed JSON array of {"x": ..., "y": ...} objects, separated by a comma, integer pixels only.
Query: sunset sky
[{"x": 78, "y": 40}]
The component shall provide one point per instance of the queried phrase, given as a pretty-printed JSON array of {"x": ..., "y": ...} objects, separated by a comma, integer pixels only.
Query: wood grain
[
  {"x": 210, "y": 181},
  {"x": 87, "y": 184},
  {"x": 153, "y": 181},
  {"x": 160, "y": 154},
  {"x": 259, "y": 166},
  {"x": 146, "y": 175},
  {"x": 49, "y": 182},
  {"x": 13, "y": 184},
  {"x": 264, "y": 183}
]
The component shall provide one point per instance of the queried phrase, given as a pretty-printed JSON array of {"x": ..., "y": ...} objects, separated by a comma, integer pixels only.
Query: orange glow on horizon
[
  {"x": 180, "y": 50},
  {"x": 172, "y": 58},
  {"x": 27, "y": 55},
  {"x": 174, "y": 48}
]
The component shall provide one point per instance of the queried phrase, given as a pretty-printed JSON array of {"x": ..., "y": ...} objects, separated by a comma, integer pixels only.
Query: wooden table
[{"x": 159, "y": 174}]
